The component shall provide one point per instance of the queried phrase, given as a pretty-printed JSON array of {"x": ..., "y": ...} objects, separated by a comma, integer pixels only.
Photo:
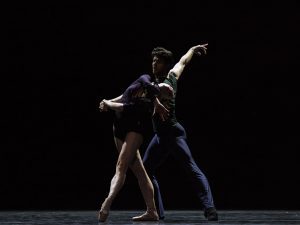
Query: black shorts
[{"x": 127, "y": 123}]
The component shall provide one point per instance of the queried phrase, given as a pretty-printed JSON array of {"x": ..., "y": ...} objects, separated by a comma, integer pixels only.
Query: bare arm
[
  {"x": 114, "y": 104},
  {"x": 117, "y": 99},
  {"x": 186, "y": 58},
  {"x": 108, "y": 104},
  {"x": 160, "y": 109}
]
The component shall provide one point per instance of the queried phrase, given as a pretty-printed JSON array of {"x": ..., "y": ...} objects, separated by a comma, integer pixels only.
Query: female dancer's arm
[
  {"x": 109, "y": 104},
  {"x": 117, "y": 99}
]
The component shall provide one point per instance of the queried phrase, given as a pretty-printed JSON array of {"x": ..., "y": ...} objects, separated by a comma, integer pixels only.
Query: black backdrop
[{"x": 239, "y": 104}]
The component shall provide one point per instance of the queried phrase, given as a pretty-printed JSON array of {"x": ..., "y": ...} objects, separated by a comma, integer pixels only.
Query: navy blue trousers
[{"x": 173, "y": 143}]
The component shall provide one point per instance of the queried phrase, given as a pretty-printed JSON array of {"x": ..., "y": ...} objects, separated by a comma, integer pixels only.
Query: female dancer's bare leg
[
  {"x": 145, "y": 184},
  {"x": 128, "y": 150},
  {"x": 146, "y": 189}
]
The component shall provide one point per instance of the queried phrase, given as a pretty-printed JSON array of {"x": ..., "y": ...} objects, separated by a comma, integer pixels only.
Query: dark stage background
[{"x": 239, "y": 104}]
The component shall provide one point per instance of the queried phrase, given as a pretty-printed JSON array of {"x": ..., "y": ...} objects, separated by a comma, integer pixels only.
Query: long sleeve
[
  {"x": 152, "y": 88},
  {"x": 128, "y": 107}
]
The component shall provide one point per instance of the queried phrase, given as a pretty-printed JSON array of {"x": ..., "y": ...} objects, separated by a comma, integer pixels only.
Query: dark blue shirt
[{"x": 139, "y": 96}]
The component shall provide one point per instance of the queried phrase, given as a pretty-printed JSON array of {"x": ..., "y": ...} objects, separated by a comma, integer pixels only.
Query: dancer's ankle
[
  {"x": 106, "y": 205},
  {"x": 151, "y": 211}
]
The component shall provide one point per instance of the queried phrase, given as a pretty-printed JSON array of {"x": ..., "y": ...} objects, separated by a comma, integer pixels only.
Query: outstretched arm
[
  {"x": 117, "y": 99},
  {"x": 186, "y": 58},
  {"x": 108, "y": 104},
  {"x": 114, "y": 104}
]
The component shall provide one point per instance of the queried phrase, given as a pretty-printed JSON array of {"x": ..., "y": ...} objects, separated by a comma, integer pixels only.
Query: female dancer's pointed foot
[
  {"x": 147, "y": 216},
  {"x": 104, "y": 211},
  {"x": 103, "y": 214}
]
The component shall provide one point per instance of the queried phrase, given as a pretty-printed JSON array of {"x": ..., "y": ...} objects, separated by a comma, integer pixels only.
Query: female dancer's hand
[
  {"x": 108, "y": 104},
  {"x": 103, "y": 106}
]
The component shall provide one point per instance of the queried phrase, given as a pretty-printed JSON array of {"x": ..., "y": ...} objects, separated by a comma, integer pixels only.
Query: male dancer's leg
[{"x": 183, "y": 155}]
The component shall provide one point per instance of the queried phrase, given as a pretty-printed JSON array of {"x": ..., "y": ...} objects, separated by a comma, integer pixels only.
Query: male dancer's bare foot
[
  {"x": 104, "y": 212},
  {"x": 147, "y": 216}
]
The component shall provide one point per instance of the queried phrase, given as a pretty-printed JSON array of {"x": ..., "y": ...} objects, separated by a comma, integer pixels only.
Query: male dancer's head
[{"x": 162, "y": 62}]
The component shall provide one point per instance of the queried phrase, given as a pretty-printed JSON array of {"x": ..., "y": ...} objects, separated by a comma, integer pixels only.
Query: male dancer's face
[{"x": 158, "y": 67}]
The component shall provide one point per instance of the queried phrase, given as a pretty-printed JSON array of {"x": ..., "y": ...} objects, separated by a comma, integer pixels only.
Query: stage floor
[{"x": 124, "y": 217}]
